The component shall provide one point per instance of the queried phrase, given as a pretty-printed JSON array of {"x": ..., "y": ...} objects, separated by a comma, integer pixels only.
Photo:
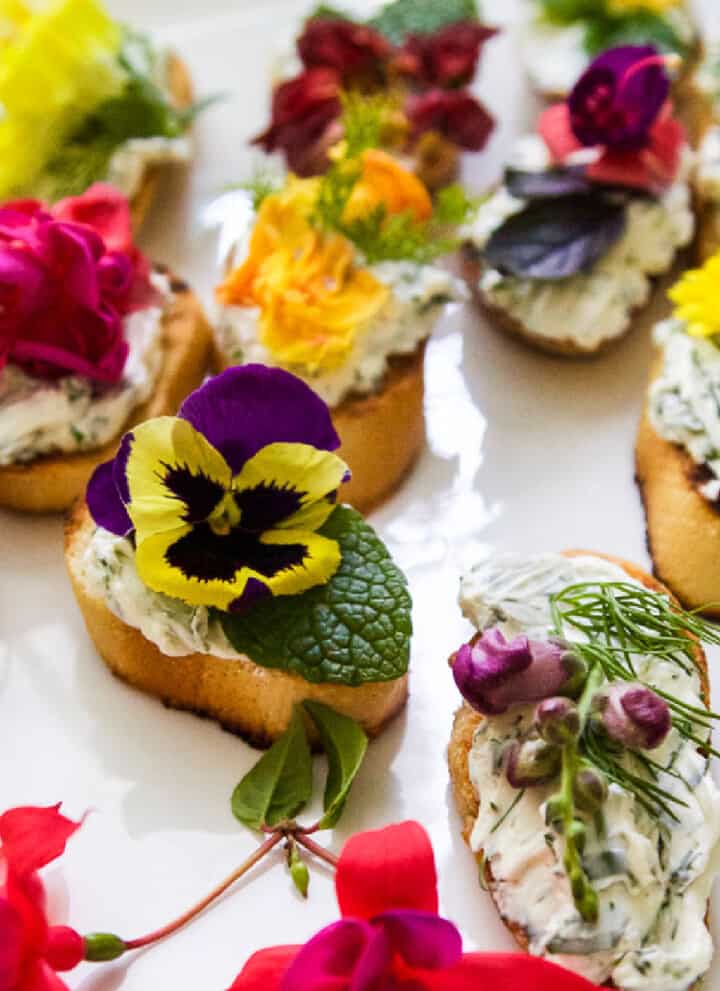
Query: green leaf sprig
[
  {"x": 280, "y": 785},
  {"x": 604, "y": 29}
]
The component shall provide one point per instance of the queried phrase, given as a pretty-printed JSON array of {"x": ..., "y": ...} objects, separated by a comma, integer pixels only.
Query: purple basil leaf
[
  {"x": 548, "y": 184},
  {"x": 554, "y": 239}
]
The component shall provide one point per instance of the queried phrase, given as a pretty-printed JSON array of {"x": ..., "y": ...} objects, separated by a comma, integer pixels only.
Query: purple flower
[
  {"x": 531, "y": 762},
  {"x": 557, "y": 720},
  {"x": 493, "y": 674},
  {"x": 365, "y": 956},
  {"x": 633, "y": 715},
  {"x": 619, "y": 97}
]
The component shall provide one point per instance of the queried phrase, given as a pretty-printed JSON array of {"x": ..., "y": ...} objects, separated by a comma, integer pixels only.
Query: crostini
[
  {"x": 418, "y": 58},
  {"x": 92, "y": 340},
  {"x": 580, "y": 767},
  {"x": 87, "y": 100},
  {"x": 560, "y": 39},
  {"x": 215, "y": 569},
  {"x": 332, "y": 279},
  {"x": 591, "y": 209},
  {"x": 677, "y": 461}
]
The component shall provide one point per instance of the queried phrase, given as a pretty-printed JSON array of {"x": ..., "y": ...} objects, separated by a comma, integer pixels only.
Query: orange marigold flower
[{"x": 384, "y": 181}]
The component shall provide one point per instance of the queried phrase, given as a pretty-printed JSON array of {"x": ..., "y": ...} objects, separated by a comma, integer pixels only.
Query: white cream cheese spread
[
  {"x": 417, "y": 294},
  {"x": 593, "y": 307},
  {"x": 684, "y": 400},
  {"x": 652, "y": 876},
  {"x": 72, "y": 414},
  {"x": 175, "y": 628}
]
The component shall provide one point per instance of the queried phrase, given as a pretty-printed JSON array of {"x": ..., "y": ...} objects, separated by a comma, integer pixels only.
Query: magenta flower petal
[
  {"x": 346, "y": 956},
  {"x": 633, "y": 715},
  {"x": 245, "y": 408},
  {"x": 422, "y": 939},
  {"x": 618, "y": 98}
]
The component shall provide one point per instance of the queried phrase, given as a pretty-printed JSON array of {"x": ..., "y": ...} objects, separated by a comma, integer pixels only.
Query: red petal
[
  {"x": 40, "y": 977},
  {"x": 31, "y": 837},
  {"x": 103, "y": 208},
  {"x": 554, "y": 128},
  {"x": 265, "y": 969},
  {"x": 26, "y": 894},
  {"x": 653, "y": 168},
  {"x": 506, "y": 971},
  {"x": 387, "y": 869},
  {"x": 11, "y": 945}
]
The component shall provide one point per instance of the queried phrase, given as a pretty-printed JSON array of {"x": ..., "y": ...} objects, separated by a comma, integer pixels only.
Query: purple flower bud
[
  {"x": 633, "y": 715},
  {"x": 531, "y": 762},
  {"x": 618, "y": 98},
  {"x": 557, "y": 720},
  {"x": 492, "y": 674}
]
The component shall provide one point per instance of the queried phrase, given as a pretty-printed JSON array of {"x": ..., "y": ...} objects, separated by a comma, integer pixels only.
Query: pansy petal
[
  {"x": 103, "y": 498},
  {"x": 328, "y": 961},
  {"x": 248, "y": 407},
  {"x": 33, "y": 836},
  {"x": 174, "y": 476},
  {"x": 422, "y": 939},
  {"x": 386, "y": 869},
  {"x": 307, "y": 472},
  {"x": 11, "y": 945},
  {"x": 509, "y": 972},
  {"x": 265, "y": 969},
  {"x": 320, "y": 561}
]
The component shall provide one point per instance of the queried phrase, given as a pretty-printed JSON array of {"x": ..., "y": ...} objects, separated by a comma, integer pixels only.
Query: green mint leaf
[
  {"x": 352, "y": 630},
  {"x": 557, "y": 238},
  {"x": 404, "y": 17},
  {"x": 345, "y": 744},
  {"x": 298, "y": 870},
  {"x": 568, "y": 11},
  {"x": 326, "y": 10},
  {"x": 640, "y": 28},
  {"x": 280, "y": 784}
]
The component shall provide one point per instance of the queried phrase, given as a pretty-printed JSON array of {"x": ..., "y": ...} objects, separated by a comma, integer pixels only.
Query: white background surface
[{"x": 525, "y": 452}]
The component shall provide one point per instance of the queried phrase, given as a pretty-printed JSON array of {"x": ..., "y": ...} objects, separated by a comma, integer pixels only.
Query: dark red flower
[
  {"x": 355, "y": 51},
  {"x": 391, "y": 937},
  {"x": 448, "y": 58},
  {"x": 455, "y": 114},
  {"x": 305, "y": 120},
  {"x": 31, "y": 950}
]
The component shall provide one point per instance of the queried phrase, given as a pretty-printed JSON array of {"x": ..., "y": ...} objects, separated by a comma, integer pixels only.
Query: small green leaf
[
  {"x": 327, "y": 11},
  {"x": 403, "y": 17},
  {"x": 345, "y": 744},
  {"x": 298, "y": 870},
  {"x": 352, "y": 630},
  {"x": 642, "y": 27},
  {"x": 280, "y": 784}
]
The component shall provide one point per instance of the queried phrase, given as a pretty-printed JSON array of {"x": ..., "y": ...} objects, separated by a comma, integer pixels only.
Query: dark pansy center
[
  {"x": 266, "y": 505},
  {"x": 209, "y": 556},
  {"x": 199, "y": 493}
]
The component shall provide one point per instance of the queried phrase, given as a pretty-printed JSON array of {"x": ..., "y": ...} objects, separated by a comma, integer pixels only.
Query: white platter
[{"x": 524, "y": 452}]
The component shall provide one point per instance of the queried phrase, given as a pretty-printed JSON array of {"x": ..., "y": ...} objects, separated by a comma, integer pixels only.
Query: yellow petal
[
  {"x": 697, "y": 299},
  {"x": 322, "y": 561},
  {"x": 159, "y": 445}
]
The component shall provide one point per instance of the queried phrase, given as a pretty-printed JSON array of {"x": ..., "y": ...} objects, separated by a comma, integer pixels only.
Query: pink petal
[
  {"x": 385, "y": 869},
  {"x": 422, "y": 939},
  {"x": 105, "y": 210},
  {"x": 32, "y": 837},
  {"x": 40, "y": 977},
  {"x": 11, "y": 946},
  {"x": 507, "y": 972},
  {"x": 346, "y": 956},
  {"x": 265, "y": 969},
  {"x": 555, "y": 130}
]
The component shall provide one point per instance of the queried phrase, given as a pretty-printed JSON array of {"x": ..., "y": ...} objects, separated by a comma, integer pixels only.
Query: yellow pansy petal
[
  {"x": 321, "y": 563},
  {"x": 171, "y": 469},
  {"x": 697, "y": 299},
  {"x": 297, "y": 468}
]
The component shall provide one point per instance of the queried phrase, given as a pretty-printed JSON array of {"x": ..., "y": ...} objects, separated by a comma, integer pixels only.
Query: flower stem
[
  {"x": 171, "y": 927},
  {"x": 304, "y": 840}
]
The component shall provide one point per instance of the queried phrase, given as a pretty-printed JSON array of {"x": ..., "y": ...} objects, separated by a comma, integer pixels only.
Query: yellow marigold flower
[
  {"x": 384, "y": 181},
  {"x": 312, "y": 297},
  {"x": 632, "y": 6},
  {"x": 697, "y": 299}
]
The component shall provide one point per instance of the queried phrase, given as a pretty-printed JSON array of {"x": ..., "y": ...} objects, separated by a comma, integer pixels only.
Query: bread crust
[
  {"x": 245, "y": 698},
  {"x": 51, "y": 483},
  {"x": 467, "y": 720},
  {"x": 381, "y": 435},
  {"x": 181, "y": 92}
]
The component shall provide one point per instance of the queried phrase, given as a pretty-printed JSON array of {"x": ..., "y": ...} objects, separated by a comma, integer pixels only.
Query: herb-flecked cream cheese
[{"x": 652, "y": 876}]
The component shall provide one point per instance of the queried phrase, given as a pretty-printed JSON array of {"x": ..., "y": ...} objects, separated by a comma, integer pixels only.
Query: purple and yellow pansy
[{"x": 225, "y": 500}]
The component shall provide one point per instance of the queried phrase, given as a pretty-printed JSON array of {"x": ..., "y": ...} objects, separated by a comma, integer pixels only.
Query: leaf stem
[
  {"x": 304, "y": 840},
  {"x": 172, "y": 927}
]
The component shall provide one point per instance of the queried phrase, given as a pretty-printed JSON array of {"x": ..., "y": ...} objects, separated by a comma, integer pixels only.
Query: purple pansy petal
[
  {"x": 104, "y": 502},
  {"x": 618, "y": 98},
  {"x": 254, "y": 592},
  {"x": 422, "y": 939},
  {"x": 245, "y": 408},
  {"x": 120, "y": 466},
  {"x": 329, "y": 960}
]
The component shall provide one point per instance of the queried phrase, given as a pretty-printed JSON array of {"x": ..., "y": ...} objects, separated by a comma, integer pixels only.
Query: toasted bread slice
[
  {"x": 381, "y": 435},
  {"x": 467, "y": 721},
  {"x": 683, "y": 529},
  {"x": 181, "y": 90},
  {"x": 245, "y": 698},
  {"x": 52, "y": 482}
]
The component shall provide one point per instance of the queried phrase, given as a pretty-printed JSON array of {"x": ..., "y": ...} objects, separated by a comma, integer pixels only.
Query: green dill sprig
[{"x": 260, "y": 185}]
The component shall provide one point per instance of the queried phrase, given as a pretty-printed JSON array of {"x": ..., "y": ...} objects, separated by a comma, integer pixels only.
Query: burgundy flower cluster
[{"x": 431, "y": 71}]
